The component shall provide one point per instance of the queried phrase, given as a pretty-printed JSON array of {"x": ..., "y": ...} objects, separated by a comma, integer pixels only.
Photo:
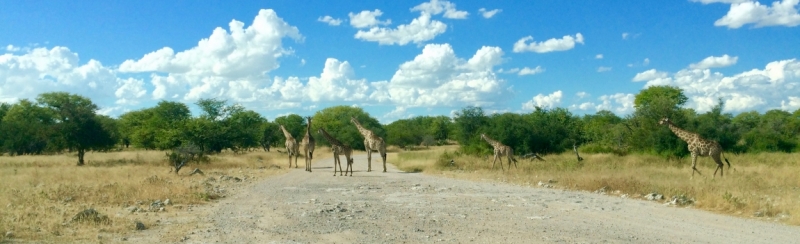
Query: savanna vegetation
[{"x": 628, "y": 154}]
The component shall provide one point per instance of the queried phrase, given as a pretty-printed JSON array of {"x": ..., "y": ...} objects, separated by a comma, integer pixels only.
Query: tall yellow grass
[
  {"x": 765, "y": 185},
  {"x": 40, "y": 194}
]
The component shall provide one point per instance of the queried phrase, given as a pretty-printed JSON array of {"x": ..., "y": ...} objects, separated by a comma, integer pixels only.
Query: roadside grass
[
  {"x": 765, "y": 185},
  {"x": 39, "y": 195}
]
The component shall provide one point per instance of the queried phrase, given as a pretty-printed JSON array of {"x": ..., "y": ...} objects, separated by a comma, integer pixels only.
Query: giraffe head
[
  {"x": 483, "y": 136},
  {"x": 664, "y": 121}
]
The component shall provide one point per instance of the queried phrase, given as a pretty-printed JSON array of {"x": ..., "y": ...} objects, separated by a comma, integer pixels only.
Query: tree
[
  {"x": 295, "y": 124},
  {"x": 76, "y": 122},
  {"x": 26, "y": 128},
  {"x": 336, "y": 121},
  {"x": 469, "y": 123},
  {"x": 653, "y": 104}
]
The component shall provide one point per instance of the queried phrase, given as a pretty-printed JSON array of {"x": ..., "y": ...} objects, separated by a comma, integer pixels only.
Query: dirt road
[{"x": 397, "y": 207}]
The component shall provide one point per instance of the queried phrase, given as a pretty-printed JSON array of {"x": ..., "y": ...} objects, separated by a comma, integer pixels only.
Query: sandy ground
[{"x": 397, "y": 207}]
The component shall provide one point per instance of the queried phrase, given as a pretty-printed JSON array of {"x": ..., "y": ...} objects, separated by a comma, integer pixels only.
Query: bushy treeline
[
  {"x": 557, "y": 130},
  {"x": 57, "y": 122}
]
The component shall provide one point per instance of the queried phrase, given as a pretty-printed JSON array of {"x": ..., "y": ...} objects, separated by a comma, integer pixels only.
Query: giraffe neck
[
  {"x": 308, "y": 129},
  {"x": 364, "y": 131},
  {"x": 286, "y": 133},
  {"x": 491, "y": 141},
  {"x": 330, "y": 139},
  {"x": 684, "y": 135}
]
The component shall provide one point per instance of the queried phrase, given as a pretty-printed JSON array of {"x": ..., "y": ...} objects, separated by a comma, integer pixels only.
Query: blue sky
[{"x": 398, "y": 59}]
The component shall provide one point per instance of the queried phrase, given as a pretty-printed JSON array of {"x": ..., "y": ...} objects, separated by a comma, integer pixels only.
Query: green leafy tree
[
  {"x": 336, "y": 121},
  {"x": 469, "y": 123},
  {"x": 295, "y": 124},
  {"x": 25, "y": 128},
  {"x": 653, "y": 104},
  {"x": 76, "y": 122}
]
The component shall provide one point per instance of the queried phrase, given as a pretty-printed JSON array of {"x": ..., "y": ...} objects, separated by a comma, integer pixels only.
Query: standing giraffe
[
  {"x": 308, "y": 144},
  {"x": 339, "y": 148},
  {"x": 499, "y": 151},
  {"x": 371, "y": 142},
  {"x": 291, "y": 146},
  {"x": 698, "y": 147}
]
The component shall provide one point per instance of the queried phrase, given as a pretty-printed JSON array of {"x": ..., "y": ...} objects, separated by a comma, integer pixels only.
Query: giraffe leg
[
  {"x": 495, "y": 160},
  {"x": 720, "y": 166},
  {"x": 369, "y": 160},
  {"x": 694, "y": 164},
  {"x": 383, "y": 155},
  {"x": 335, "y": 161}
]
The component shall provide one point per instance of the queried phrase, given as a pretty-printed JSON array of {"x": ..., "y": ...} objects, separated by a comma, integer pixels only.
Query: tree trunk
[{"x": 81, "y": 152}]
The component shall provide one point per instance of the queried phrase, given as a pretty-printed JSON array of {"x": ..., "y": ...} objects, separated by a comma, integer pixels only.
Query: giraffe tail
[{"x": 726, "y": 161}]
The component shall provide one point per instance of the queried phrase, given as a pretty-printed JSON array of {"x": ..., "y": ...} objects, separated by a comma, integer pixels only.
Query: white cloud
[
  {"x": 226, "y": 64},
  {"x": 435, "y": 7},
  {"x": 619, "y": 103},
  {"x": 792, "y": 105},
  {"x": 509, "y": 71},
  {"x": 544, "y": 101},
  {"x": 41, "y": 70},
  {"x": 529, "y": 71},
  {"x": 12, "y": 48},
  {"x": 489, "y": 13},
  {"x": 715, "y": 62},
  {"x": 330, "y": 20},
  {"x": 603, "y": 69},
  {"x": 781, "y": 13},
  {"x": 582, "y": 94},
  {"x": 367, "y": 18},
  {"x": 551, "y": 45},
  {"x": 625, "y": 35},
  {"x": 437, "y": 77},
  {"x": 650, "y": 74},
  {"x": 336, "y": 83},
  {"x": 646, "y": 62},
  {"x": 757, "y": 89},
  {"x": 420, "y": 29},
  {"x": 598, "y": 56}
]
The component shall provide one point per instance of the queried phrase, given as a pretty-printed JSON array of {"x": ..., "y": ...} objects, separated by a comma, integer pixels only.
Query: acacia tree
[
  {"x": 26, "y": 128},
  {"x": 336, "y": 121},
  {"x": 76, "y": 122}
]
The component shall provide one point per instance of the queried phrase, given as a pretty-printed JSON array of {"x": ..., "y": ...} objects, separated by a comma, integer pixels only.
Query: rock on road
[{"x": 398, "y": 207}]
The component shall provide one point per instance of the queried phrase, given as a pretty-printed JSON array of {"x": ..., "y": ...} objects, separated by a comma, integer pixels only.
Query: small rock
[
  {"x": 654, "y": 196},
  {"x": 167, "y": 202},
  {"x": 197, "y": 171},
  {"x": 139, "y": 225},
  {"x": 90, "y": 214},
  {"x": 545, "y": 185},
  {"x": 123, "y": 239},
  {"x": 758, "y": 214},
  {"x": 9, "y": 234},
  {"x": 132, "y": 209}
]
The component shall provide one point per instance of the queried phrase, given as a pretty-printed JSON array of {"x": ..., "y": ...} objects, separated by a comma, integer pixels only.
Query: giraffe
[
  {"x": 699, "y": 147},
  {"x": 291, "y": 146},
  {"x": 339, "y": 148},
  {"x": 308, "y": 144},
  {"x": 499, "y": 151},
  {"x": 371, "y": 142}
]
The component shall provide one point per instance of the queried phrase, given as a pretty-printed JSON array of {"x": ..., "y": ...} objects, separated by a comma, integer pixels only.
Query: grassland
[
  {"x": 39, "y": 195},
  {"x": 764, "y": 186}
]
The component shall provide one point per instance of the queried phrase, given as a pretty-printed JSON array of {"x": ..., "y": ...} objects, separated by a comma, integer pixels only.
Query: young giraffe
[
  {"x": 371, "y": 142},
  {"x": 339, "y": 148},
  {"x": 308, "y": 144},
  {"x": 291, "y": 146},
  {"x": 501, "y": 150},
  {"x": 698, "y": 147}
]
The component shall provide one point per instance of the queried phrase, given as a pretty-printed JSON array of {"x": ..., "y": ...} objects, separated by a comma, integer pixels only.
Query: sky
[{"x": 399, "y": 59}]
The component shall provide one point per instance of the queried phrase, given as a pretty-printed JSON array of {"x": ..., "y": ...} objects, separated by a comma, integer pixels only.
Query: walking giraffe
[
  {"x": 499, "y": 151},
  {"x": 339, "y": 148},
  {"x": 698, "y": 147},
  {"x": 291, "y": 146},
  {"x": 371, "y": 142},
  {"x": 308, "y": 144}
]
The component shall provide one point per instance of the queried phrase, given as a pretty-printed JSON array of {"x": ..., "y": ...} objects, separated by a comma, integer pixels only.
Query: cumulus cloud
[
  {"x": 791, "y": 103},
  {"x": 420, "y": 29},
  {"x": 551, "y": 45},
  {"x": 337, "y": 83},
  {"x": 625, "y": 35},
  {"x": 367, "y": 18},
  {"x": 435, "y": 7},
  {"x": 770, "y": 88},
  {"x": 714, "y": 62},
  {"x": 544, "y": 101},
  {"x": 330, "y": 20},
  {"x": 602, "y": 69},
  {"x": 227, "y": 63},
  {"x": 489, "y": 13},
  {"x": 781, "y": 13},
  {"x": 437, "y": 77},
  {"x": 650, "y": 74},
  {"x": 529, "y": 71},
  {"x": 12, "y": 48},
  {"x": 719, "y": 1},
  {"x": 598, "y": 56},
  {"x": 41, "y": 70},
  {"x": 619, "y": 103}
]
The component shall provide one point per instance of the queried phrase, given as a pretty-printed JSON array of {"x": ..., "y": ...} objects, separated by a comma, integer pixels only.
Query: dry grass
[
  {"x": 40, "y": 194},
  {"x": 765, "y": 185}
]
